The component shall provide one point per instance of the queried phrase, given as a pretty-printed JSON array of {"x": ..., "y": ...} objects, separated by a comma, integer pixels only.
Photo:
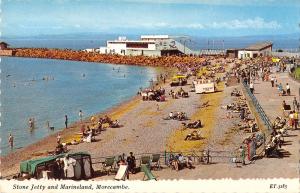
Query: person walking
[
  {"x": 11, "y": 140},
  {"x": 131, "y": 163},
  {"x": 272, "y": 81},
  {"x": 80, "y": 115},
  {"x": 242, "y": 154},
  {"x": 295, "y": 120},
  {"x": 291, "y": 119},
  {"x": 288, "y": 89},
  {"x": 251, "y": 86},
  {"x": 66, "y": 121},
  {"x": 295, "y": 104},
  {"x": 280, "y": 89}
]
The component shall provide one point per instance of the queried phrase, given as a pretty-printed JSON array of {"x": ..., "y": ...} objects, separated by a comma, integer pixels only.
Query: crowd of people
[{"x": 179, "y": 161}]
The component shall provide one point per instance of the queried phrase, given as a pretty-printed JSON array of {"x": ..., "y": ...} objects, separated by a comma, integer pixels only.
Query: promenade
[{"x": 270, "y": 101}]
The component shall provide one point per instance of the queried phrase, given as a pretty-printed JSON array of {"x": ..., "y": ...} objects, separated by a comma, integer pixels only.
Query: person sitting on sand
[
  {"x": 181, "y": 116},
  {"x": 114, "y": 124},
  {"x": 173, "y": 161},
  {"x": 171, "y": 115},
  {"x": 181, "y": 160},
  {"x": 106, "y": 119},
  {"x": 195, "y": 135},
  {"x": 58, "y": 138},
  {"x": 99, "y": 128},
  {"x": 189, "y": 162},
  {"x": 93, "y": 118},
  {"x": 59, "y": 149},
  {"x": 89, "y": 136},
  {"x": 82, "y": 130}
]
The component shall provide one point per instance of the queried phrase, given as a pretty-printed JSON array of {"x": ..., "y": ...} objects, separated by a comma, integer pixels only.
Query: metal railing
[
  {"x": 258, "y": 108},
  {"x": 198, "y": 157}
]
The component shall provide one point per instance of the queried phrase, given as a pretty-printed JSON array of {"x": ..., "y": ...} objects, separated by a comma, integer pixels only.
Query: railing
[
  {"x": 198, "y": 157},
  {"x": 212, "y": 52},
  {"x": 184, "y": 49},
  {"x": 259, "y": 109}
]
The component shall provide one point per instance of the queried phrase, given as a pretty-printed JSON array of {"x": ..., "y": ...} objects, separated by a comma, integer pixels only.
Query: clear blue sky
[{"x": 190, "y": 17}]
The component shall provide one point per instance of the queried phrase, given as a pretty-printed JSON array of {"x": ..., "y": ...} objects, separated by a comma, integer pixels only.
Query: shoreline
[
  {"x": 48, "y": 143},
  {"x": 108, "y": 110},
  {"x": 50, "y": 140}
]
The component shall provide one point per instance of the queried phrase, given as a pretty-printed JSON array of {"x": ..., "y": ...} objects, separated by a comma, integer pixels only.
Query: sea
[{"x": 47, "y": 90}]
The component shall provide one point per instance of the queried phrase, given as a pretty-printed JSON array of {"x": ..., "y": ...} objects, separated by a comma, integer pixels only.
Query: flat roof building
[
  {"x": 260, "y": 46},
  {"x": 148, "y": 45},
  {"x": 252, "y": 51}
]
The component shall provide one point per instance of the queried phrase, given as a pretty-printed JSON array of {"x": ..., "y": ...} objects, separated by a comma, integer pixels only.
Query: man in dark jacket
[{"x": 131, "y": 163}]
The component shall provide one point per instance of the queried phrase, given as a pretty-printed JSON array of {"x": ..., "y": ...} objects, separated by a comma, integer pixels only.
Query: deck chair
[
  {"x": 122, "y": 172},
  {"x": 155, "y": 161},
  {"x": 147, "y": 173},
  {"x": 108, "y": 164},
  {"x": 145, "y": 160}
]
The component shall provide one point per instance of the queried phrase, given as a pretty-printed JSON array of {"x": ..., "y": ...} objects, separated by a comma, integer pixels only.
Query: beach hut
[{"x": 47, "y": 167}]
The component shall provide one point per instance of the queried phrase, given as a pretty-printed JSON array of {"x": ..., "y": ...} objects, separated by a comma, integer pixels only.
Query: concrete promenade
[{"x": 271, "y": 102}]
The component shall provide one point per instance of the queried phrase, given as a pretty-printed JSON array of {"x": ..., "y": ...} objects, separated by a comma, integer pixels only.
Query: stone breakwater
[{"x": 66, "y": 54}]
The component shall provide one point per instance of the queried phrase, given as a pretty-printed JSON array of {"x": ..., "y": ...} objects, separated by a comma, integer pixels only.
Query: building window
[{"x": 136, "y": 45}]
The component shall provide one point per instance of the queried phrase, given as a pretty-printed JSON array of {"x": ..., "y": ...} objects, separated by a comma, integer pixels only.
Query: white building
[
  {"x": 255, "y": 50},
  {"x": 148, "y": 45}
]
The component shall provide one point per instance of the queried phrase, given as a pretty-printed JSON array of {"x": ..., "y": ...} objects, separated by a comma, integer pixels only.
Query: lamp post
[{"x": 184, "y": 42}]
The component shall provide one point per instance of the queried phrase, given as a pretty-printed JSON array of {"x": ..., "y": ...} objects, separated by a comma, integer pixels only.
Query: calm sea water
[{"x": 25, "y": 94}]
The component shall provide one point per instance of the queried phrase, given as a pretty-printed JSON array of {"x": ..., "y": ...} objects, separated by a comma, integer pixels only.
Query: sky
[{"x": 176, "y": 17}]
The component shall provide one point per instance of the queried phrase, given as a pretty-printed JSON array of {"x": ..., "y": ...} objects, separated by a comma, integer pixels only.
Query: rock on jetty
[{"x": 67, "y": 54}]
